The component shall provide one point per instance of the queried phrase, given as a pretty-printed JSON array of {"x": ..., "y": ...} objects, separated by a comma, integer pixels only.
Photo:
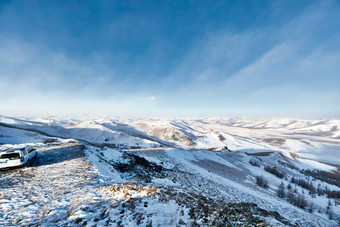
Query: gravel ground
[{"x": 55, "y": 180}]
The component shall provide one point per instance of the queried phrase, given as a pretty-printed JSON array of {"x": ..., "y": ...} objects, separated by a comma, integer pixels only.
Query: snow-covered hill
[{"x": 172, "y": 172}]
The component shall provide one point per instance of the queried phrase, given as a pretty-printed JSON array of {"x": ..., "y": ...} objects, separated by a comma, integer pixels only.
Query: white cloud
[
  {"x": 39, "y": 71},
  {"x": 152, "y": 98},
  {"x": 272, "y": 66}
]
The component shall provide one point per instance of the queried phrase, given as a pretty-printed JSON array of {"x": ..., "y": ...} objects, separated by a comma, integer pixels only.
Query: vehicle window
[
  {"x": 30, "y": 149},
  {"x": 25, "y": 152},
  {"x": 10, "y": 156}
]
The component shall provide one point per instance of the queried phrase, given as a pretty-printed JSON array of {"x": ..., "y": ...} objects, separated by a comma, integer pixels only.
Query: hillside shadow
[
  {"x": 57, "y": 155},
  {"x": 127, "y": 129}
]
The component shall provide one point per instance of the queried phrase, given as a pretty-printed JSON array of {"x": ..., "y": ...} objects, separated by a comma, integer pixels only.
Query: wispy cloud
[
  {"x": 208, "y": 60},
  {"x": 293, "y": 66},
  {"x": 33, "y": 69}
]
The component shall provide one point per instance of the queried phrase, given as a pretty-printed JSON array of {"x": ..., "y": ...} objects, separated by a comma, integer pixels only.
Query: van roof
[{"x": 14, "y": 149}]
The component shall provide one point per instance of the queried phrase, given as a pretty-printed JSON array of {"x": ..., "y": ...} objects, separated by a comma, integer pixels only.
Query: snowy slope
[{"x": 208, "y": 167}]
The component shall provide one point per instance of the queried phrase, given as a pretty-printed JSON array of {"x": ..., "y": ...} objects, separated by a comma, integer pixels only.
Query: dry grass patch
[{"x": 127, "y": 191}]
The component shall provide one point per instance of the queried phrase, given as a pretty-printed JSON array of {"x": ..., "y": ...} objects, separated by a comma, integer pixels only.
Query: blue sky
[{"x": 170, "y": 58}]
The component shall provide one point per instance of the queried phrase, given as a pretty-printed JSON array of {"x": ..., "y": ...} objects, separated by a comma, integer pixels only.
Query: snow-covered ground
[{"x": 140, "y": 172}]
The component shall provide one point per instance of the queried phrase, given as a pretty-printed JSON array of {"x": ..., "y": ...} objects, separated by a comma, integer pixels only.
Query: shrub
[
  {"x": 297, "y": 199},
  {"x": 275, "y": 171},
  {"x": 329, "y": 177},
  {"x": 333, "y": 194},
  {"x": 281, "y": 192},
  {"x": 254, "y": 163},
  {"x": 262, "y": 182},
  {"x": 313, "y": 190}
]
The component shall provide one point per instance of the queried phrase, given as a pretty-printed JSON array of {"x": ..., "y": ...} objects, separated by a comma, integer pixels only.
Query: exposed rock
[{"x": 181, "y": 222}]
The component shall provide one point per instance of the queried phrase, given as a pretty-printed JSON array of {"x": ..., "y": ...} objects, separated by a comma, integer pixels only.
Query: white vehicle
[{"x": 16, "y": 157}]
